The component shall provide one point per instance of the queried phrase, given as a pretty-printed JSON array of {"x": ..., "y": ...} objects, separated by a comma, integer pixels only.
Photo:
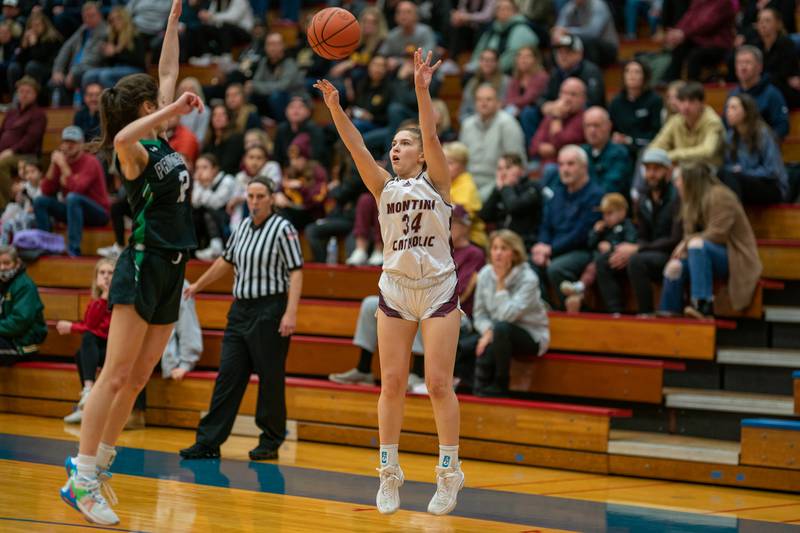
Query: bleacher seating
[{"x": 771, "y": 442}]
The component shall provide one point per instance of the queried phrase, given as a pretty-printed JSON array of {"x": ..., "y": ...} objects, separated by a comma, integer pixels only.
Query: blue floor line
[{"x": 498, "y": 506}]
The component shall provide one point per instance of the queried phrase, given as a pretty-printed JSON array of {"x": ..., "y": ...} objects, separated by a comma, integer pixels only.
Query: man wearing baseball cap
[
  {"x": 659, "y": 231},
  {"x": 79, "y": 176}
]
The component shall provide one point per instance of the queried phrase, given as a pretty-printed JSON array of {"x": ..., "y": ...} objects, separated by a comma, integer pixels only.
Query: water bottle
[{"x": 332, "y": 251}]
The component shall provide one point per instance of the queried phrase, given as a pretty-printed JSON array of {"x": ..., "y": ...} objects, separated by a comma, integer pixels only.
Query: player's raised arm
[
  {"x": 169, "y": 62},
  {"x": 372, "y": 174},
  {"x": 434, "y": 155}
]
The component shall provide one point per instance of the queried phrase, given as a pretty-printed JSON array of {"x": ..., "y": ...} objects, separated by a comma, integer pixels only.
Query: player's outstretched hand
[
  {"x": 423, "y": 70},
  {"x": 329, "y": 93},
  {"x": 188, "y": 102},
  {"x": 175, "y": 11}
]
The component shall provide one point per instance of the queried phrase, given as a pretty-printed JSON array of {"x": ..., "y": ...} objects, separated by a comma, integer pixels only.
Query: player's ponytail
[{"x": 119, "y": 106}]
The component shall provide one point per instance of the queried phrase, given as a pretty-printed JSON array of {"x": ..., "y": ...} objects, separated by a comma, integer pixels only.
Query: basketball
[{"x": 334, "y": 33}]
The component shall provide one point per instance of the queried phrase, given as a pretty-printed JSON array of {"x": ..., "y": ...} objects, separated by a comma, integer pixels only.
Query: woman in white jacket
[
  {"x": 509, "y": 314},
  {"x": 211, "y": 193}
]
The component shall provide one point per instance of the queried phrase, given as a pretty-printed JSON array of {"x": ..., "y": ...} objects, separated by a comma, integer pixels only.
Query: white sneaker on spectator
[
  {"x": 353, "y": 377},
  {"x": 413, "y": 381},
  {"x": 375, "y": 258},
  {"x": 213, "y": 251},
  {"x": 202, "y": 61},
  {"x": 388, "y": 497},
  {"x": 357, "y": 258},
  {"x": 420, "y": 388},
  {"x": 111, "y": 252},
  {"x": 570, "y": 288},
  {"x": 448, "y": 482},
  {"x": 76, "y": 416}
]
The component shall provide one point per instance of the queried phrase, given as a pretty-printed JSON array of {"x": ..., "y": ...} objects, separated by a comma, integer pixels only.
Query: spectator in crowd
[
  {"x": 636, "y": 110},
  {"x": 696, "y": 133},
  {"x": 701, "y": 38},
  {"x": 22, "y": 325},
  {"x": 633, "y": 9},
  {"x": 463, "y": 191},
  {"x": 749, "y": 10},
  {"x": 671, "y": 100},
  {"x": 613, "y": 230},
  {"x": 150, "y": 19},
  {"x": 407, "y": 36},
  {"x": 223, "y": 24},
  {"x": 21, "y": 133},
  {"x": 527, "y": 82},
  {"x": 81, "y": 52},
  {"x": 371, "y": 97},
  {"x": 223, "y": 141},
  {"x": 305, "y": 186},
  {"x": 753, "y": 166},
  {"x": 94, "y": 334},
  {"x": 182, "y": 140},
  {"x": 718, "y": 243},
  {"x": 444, "y": 125},
  {"x": 37, "y": 50},
  {"x": 771, "y": 104},
  {"x": 213, "y": 189},
  {"x": 12, "y": 13},
  {"x": 488, "y": 72},
  {"x": 609, "y": 163},
  {"x": 780, "y": 57},
  {"x": 185, "y": 345},
  {"x": 515, "y": 202},
  {"x": 298, "y": 121},
  {"x": 196, "y": 121},
  {"x": 507, "y": 33},
  {"x": 659, "y": 231},
  {"x": 66, "y": 15},
  {"x": 562, "y": 251},
  {"x": 246, "y": 62},
  {"x": 509, "y": 314},
  {"x": 18, "y": 215},
  {"x": 488, "y": 134},
  {"x": 245, "y": 116},
  {"x": 434, "y": 14},
  {"x": 275, "y": 79},
  {"x": 8, "y": 47},
  {"x": 123, "y": 51},
  {"x": 562, "y": 124},
  {"x": 590, "y": 20},
  {"x": 79, "y": 176},
  {"x": 87, "y": 118},
  {"x": 255, "y": 163},
  {"x": 467, "y": 21},
  {"x": 373, "y": 32}
]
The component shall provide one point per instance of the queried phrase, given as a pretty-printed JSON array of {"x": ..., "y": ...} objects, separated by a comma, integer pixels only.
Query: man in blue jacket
[
  {"x": 563, "y": 251},
  {"x": 771, "y": 104}
]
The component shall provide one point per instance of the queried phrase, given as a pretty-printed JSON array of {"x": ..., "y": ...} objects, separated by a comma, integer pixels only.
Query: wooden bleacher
[
  {"x": 771, "y": 442},
  {"x": 796, "y": 379}
]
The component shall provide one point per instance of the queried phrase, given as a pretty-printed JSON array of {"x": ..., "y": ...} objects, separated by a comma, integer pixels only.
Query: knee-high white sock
[
  {"x": 105, "y": 455},
  {"x": 388, "y": 455},
  {"x": 87, "y": 466},
  {"x": 448, "y": 456}
]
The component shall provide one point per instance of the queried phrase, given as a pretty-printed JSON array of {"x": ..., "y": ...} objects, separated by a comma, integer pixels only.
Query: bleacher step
[
  {"x": 728, "y": 401},
  {"x": 664, "y": 446},
  {"x": 759, "y": 357},
  {"x": 777, "y": 313}
]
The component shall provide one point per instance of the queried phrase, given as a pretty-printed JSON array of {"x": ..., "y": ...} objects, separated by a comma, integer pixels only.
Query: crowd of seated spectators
[{"x": 578, "y": 192}]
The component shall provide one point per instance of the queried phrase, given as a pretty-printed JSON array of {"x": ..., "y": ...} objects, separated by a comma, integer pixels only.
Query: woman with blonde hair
[
  {"x": 528, "y": 81},
  {"x": 509, "y": 313},
  {"x": 123, "y": 52},
  {"x": 37, "y": 50},
  {"x": 198, "y": 120}
]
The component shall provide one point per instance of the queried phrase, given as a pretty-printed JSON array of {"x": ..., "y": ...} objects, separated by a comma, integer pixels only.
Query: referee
[{"x": 265, "y": 253}]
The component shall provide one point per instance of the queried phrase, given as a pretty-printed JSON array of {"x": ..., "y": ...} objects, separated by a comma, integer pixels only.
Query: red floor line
[
  {"x": 755, "y": 508},
  {"x": 532, "y": 482},
  {"x": 606, "y": 489}
]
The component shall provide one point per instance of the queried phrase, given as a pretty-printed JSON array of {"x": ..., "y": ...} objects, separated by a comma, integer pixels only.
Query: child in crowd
[
  {"x": 255, "y": 163},
  {"x": 613, "y": 229},
  {"x": 213, "y": 189},
  {"x": 305, "y": 186},
  {"x": 18, "y": 214},
  {"x": 94, "y": 334}
]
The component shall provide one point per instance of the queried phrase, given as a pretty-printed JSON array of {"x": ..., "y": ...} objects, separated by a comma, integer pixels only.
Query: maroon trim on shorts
[
  {"x": 448, "y": 306},
  {"x": 383, "y": 306}
]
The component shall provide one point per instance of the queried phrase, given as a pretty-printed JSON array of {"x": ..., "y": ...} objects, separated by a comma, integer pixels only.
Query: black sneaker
[
  {"x": 199, "y": 450},
  {"x": 262, "y": 453}
]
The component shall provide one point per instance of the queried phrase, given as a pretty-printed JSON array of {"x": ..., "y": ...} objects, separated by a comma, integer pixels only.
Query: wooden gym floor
[{"x": 316, "y": 487}]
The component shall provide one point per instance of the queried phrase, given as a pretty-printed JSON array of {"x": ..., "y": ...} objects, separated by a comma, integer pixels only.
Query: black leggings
[
  {"x": 8, "y": 352},
  {"x": 753, "y": 191},
  {"x": 90, "y": 356},
  {"x": 494, "y": 366}
]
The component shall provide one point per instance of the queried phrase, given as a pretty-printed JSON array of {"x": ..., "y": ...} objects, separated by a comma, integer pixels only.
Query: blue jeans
[
  {"x": 107, "y": 76},
  {"x": 530, "y": 118},
  {"x": 700, "y": 269},
  {"x": 632, "y": 10},
  {"x": 75, "y": 212}
]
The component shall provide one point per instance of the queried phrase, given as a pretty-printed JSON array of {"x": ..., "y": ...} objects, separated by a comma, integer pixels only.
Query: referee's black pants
[{"x": 251, "y": 343}]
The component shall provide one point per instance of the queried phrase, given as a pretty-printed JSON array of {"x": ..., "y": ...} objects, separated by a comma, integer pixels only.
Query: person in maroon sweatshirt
[
  {"x": 21, "y": 133},
  {"x": 94, "y": 333},
  {"x": 79, "y": 176},
  {"x": 563, "y": 125}
]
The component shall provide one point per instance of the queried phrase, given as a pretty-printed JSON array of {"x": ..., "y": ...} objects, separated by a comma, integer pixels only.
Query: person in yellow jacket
[{"x": 463, "y": 190}]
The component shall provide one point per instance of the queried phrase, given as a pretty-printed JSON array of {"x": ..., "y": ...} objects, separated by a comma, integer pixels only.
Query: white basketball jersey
[{"x": 415, "y": 225}]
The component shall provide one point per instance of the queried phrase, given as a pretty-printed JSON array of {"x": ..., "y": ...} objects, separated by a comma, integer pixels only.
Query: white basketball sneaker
[
  {"x": 448, "y": 482},
  {"x": 83, "y": 494},
  {"x": 388, "y": 498}
]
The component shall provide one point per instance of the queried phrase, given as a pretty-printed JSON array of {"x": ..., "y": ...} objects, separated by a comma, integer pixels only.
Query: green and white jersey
[{"x": 160, "y": 200}]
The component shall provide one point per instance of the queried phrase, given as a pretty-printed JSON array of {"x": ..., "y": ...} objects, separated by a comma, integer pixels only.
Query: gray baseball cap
[
  {"x": 657, "y": 156},
  {"x": 72, "y": 133}
]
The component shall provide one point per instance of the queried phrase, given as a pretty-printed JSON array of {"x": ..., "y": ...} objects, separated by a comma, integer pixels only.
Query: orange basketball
[{"x": 334, "y": 33}]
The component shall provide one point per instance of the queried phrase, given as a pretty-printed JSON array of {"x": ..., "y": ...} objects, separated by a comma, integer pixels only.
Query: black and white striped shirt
[{"x": 263, "y": 256}]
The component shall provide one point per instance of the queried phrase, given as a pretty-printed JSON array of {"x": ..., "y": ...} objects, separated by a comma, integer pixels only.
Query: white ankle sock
[
  {"x": 448, "y": 456},
  {"x": 388, "y": 455},
  {"x": 87, "y": 466},
  {"x": 105, "y": 454}
]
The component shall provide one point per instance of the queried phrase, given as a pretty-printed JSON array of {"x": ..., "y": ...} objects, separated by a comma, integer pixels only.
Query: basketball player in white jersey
[{"x": 418, "y": 284}]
